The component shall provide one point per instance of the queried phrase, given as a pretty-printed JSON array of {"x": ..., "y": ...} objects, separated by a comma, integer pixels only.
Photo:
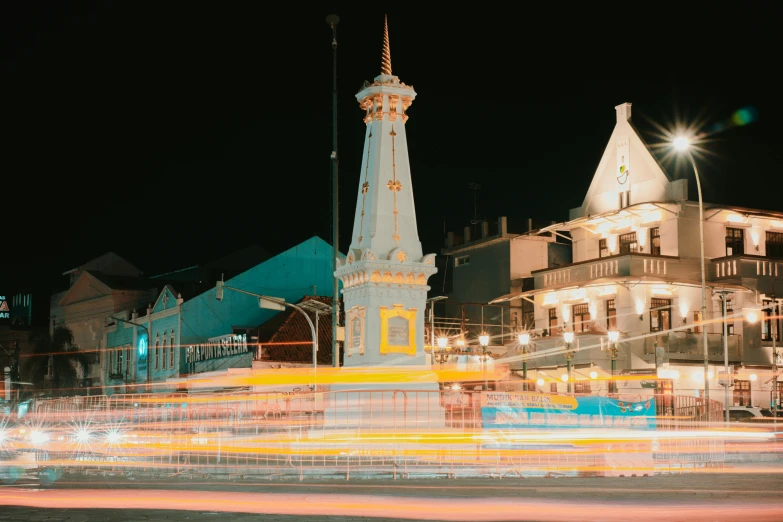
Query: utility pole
[{"x": 333, "y": 20}]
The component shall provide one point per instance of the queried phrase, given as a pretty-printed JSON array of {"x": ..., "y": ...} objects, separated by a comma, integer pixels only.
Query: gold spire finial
[{"x": 386, "y": 55}]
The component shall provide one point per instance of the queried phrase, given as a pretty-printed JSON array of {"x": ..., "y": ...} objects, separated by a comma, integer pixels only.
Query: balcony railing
[
  {"x": 689, "y": 346},
  {"x": 616, "y": 266}
]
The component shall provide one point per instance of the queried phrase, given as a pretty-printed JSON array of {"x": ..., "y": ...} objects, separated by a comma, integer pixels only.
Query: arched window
[
  {"x": 171, "y": 349},
  {"x": 164, "y": 351},
  {"x": 157, "y": 351}
]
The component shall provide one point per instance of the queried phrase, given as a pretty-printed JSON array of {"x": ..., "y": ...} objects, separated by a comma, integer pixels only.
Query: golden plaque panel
[{"x": 398, "y": 330}]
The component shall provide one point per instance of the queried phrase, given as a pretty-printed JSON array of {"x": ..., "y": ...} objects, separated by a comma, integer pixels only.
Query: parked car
[{"x": 744, "y": 413}]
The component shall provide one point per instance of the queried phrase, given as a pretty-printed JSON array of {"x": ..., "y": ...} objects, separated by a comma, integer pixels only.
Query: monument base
[{"x": 391, "y": 406}]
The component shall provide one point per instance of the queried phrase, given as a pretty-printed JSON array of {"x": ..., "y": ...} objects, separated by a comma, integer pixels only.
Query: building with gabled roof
[{"x": 637, "y": 272}]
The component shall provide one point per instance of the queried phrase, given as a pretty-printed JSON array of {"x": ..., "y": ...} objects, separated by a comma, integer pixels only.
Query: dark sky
[{"x": 171, "y": 132}]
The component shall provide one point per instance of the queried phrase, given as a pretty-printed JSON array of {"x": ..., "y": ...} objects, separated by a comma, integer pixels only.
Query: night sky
[{"x": 175, "y": 132}]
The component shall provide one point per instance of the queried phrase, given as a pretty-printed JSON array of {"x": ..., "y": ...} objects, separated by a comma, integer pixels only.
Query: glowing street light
[
  {"x": 682, "y": 144},
  {"x": 484, "y": 342},
  {"x": 524, "y": 341},
  {"x": 568, "y": 337},
  {"x": 443, "y": 342},
  {"x": 614, "y": 337}
]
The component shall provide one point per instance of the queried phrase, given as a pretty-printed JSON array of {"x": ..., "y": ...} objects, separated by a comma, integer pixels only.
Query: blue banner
[{"x": 542, "y": 410}]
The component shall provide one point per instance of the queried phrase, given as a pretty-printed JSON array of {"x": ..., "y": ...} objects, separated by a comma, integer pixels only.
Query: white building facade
[{"x": 637, "y": 271}]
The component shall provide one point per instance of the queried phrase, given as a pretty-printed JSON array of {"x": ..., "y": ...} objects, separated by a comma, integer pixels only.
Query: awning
[{"x": 604, "y": 281}]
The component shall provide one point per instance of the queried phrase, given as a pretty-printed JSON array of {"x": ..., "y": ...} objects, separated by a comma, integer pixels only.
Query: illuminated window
[
  {"x": 767, "y": 324},
  {"x": 603, "y": 250},
  {"x": 735, "y": 241},
  {"x": 775, "y": 244},
  {"x": 660, "y": 314},
  {"x": 741, "y": 393},
  {"x": 611, "y": 315},
  {"x": 552, "y": 320},
  {"x": 553, "y": 387},
  {"x": 157, "y": 352},
  {"x": 655, "y": 241},
  {"x": 628, "y": 243},
  {"x": 581, "y": 313},
  {"x": 582, "y": 387},
  {"x": 697, "y": 322}
]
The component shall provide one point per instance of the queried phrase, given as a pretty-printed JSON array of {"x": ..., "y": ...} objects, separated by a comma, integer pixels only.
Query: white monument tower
[{"x": 385, "y": 274}]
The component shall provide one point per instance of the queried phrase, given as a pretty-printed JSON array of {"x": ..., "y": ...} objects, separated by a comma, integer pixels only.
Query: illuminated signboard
[
  {"x": 217, "y": 347},
  {"x": 5, "y": 308}
]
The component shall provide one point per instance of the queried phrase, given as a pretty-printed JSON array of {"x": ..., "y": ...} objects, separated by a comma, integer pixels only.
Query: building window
[
  {"x": 603, "y": 250},
  {"x": 552, "y": 387},
  {"x": 128, "y": 360},
  {"x": 582, "y": 387},
  {"x": 729, "y": 321},
  {"x": 164, "y": 352},
  {"x": 741, "y": 393},
  {"x": 766, "y": 325},
  {"x": 118, "y": 366},
  {"x": 775, "y": 244},
  {"x": 171, "y": 350},
  {"x": 660, "y": 314},
  {"x": 735, "y": 241},
  {"x": 157, "y": 352},
  {"x": 697, "y": 322},
  {"x": 655, "y": 241},
  {"x": 552, "y": 320},
  {"x": 528, "y": 320},
  {"x": 628, "y": 243},
  {"x": 611, "y": 315},
  {"x": 461, "y": 261},
  {"x": 581, "y": 313}
]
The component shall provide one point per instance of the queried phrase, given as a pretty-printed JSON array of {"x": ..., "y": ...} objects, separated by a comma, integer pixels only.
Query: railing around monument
[{"x": 375, "y": 432}]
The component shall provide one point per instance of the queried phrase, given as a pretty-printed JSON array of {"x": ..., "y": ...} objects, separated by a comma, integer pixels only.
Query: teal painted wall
[
  {"x": 305, "y": 269},
  {"x": 289, "y": 275}
]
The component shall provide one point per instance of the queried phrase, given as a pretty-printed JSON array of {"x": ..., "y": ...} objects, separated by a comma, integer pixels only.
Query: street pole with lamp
[
  {"x": 614, "y": 337},
  {"x": 275, "y": 303},
  {"x": 682, "y": 144},
  {"x": 333, "y": 20},
  {"x": 524, "y": 341},
  {"x": 727, "y": 382},
  {"x": 568, "y": 337},
  {"x": 484, "y": 342},
  {"x": 441, "y": 355},
  {"x": 431, "y": 307}
]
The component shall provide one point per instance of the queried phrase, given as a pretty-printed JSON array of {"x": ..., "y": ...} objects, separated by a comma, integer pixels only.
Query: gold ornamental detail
[
  {"x": 378, "y": 106},
  {"x": 393, "y": 107},
  {"x": 406, "y": 102},
  {"x": 365, "y": 186},
  {"x": 386, "y": 53},
  {"x": 366, "y": 106},
  {"x": 395, "y": 186}
]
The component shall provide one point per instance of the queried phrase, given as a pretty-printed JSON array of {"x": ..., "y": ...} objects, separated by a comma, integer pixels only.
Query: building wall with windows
[
  {"x": 199, "y": 324},
  {"x": 637, "y": 270}
]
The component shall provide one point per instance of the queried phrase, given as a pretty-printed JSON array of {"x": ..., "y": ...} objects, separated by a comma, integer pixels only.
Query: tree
[{"x": 55, "y": 361}]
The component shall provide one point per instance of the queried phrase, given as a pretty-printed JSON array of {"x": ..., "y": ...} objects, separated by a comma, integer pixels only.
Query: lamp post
[
  {"x": 682, "y": 144},
  {"x": 332, "y": 20},
  {"x": 614, "y": 336},
  {"x": 568, "y": 337},
  {"x": 441, "y": 355},
  {"x": 728, "y": 382},
  {"x": 524, "y": 341},
  {"x": 275, "y": 303},
  {"x": 484, "y": 342}
]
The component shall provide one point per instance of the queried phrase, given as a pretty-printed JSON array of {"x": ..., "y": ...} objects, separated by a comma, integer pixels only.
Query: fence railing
[{"x": 380, "y": 432}]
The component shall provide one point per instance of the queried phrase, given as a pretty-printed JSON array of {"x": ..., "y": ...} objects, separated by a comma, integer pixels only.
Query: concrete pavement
[{"x": 754, "y": 494}]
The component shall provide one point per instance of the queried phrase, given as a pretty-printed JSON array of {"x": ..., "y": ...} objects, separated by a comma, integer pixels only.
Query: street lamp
[
  {"x": 682, "y": 144},
  {"x": 484, "y": 342},
  {"x": 441, "y": 356},
  {"x": 614, "y": 336},
  {"x": 568, "y": 337},
  {"x": 276, "y": 303},
  {"x": 524, "y": 341}
]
